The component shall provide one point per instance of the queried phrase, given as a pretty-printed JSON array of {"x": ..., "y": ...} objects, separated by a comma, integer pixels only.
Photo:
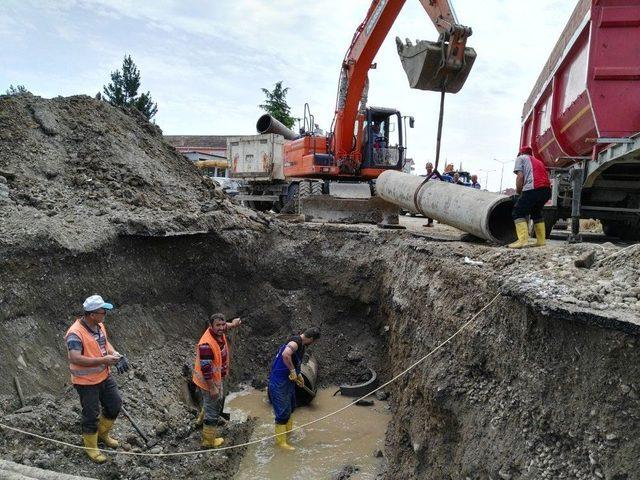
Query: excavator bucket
[{"x": 423, "y": 63}]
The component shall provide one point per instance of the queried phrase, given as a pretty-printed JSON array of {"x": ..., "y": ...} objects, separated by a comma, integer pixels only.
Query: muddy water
[{"x": 349, "y": 438}]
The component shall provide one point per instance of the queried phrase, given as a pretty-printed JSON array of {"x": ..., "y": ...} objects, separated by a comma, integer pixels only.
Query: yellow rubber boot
[
  {"x": 209, "y": 438},
  {"x": 289, "y": 427},
  {"x": 90, "y": 441},
  {"x": 539, "y": 228},
  {"x": 281, "y": 437},
  {"x": 200, "y": 418},
  {"x": 104, "y": 427},
  {"x": 522, "y": 233}
]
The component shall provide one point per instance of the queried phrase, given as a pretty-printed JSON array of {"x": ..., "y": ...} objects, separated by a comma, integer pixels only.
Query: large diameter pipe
[
  {"x": 484, "y": 214},
  {"x": 309, "y": 371},
  {"x": 267, "y": 124}
]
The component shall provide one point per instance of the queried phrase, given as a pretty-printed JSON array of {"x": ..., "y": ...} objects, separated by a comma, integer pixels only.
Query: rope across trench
[{"x": 269, "y": 437}]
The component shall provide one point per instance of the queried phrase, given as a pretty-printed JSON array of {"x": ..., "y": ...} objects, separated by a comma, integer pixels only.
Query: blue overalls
[{"x": 282, "y": 391}]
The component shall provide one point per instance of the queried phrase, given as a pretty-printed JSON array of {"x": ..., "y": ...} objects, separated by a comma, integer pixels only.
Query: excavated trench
[
  {"x": 521, "y": 394},
  {"x": 542, "y": 385}
]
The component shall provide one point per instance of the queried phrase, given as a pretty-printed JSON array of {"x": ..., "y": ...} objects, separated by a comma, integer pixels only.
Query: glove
[
  {"x": 123, "y": 365},
  {"x": 293, "y": 376},
  {"x": 300, "y": 380}
]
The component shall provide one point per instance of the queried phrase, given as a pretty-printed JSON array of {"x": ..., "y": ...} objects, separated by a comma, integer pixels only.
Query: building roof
[
  {"x": 202, "y": 155},
  {"x": 198, "y": 141}
]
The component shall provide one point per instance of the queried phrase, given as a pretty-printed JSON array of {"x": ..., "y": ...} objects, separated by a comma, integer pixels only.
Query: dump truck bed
[
  {"x": 589, "y": 87},
  {"x": 256, "y": 158}
]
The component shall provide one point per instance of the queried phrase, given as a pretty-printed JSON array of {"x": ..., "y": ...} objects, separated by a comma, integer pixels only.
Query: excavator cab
[{"x": 382, "y": 146}]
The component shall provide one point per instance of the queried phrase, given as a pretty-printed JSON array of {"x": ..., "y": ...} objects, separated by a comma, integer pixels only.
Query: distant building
[{"x": 207, "y": 152}]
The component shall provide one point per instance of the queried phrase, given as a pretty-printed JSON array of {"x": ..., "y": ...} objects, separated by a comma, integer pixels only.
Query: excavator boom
[{"x": 442, "y": 65}]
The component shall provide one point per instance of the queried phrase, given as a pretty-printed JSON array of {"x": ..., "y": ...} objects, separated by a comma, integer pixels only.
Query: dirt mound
[{"x": 77, "y": 171}]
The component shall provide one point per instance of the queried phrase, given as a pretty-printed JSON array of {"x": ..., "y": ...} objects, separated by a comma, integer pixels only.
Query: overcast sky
[{"x": 205, "y": 61}]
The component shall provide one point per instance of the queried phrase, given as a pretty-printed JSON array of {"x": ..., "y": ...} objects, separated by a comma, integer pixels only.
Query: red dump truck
[{"x": 583, "y": 118}]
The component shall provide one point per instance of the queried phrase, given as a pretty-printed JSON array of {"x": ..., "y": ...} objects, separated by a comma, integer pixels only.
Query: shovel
[{"x": 148, "y": 442}]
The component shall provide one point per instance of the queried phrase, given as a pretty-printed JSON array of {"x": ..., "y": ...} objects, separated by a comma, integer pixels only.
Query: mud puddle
[{"x": 323, "y": 449}]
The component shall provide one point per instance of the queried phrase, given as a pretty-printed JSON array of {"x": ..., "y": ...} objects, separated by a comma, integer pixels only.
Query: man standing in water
[
  {"x": 285, "y": 373},
  {"x": 210, "y": 368}
]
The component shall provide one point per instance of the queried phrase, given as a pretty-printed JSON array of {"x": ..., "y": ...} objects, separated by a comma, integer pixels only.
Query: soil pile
[{"x": 76, "y": 172}]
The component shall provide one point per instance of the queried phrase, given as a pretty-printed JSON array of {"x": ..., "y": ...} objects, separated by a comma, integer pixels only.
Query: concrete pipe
[
  {"x": 309, "y": 371},
  {"x": 267, "y": 124},
  {"x": 486, "y": 215}
]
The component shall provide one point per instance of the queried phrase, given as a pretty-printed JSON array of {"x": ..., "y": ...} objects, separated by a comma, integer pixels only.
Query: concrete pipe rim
[{"x": 499, "y": 223}]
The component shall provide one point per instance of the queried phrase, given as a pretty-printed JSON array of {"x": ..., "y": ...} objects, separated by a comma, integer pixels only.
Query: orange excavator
[
  {"x": 349, "y": 150},
  {"x": 365, "y": 141}
]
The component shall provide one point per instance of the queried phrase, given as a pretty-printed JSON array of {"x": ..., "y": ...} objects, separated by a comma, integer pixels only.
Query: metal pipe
[
  {"x": 484, "y": 214},
  {"x": 267, "y": 124}
]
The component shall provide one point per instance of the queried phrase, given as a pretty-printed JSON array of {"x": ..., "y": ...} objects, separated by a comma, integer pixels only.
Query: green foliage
[
  {"x": 17, "y": 90},
  {"x": 123, "y": 90},
  {"x": 275, "y": 104}
]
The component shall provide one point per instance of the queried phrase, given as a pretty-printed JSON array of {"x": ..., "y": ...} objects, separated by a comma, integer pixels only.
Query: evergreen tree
[
  {"x": 123, "y": 90},
  {"x": 17, "y": 90},
  {"x": 275, "y": 104}
]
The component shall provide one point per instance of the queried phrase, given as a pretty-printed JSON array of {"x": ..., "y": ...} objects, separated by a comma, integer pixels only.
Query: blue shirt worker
[
  {"x": 474, "y": 182},
  {"x": 285, "y": 373}
]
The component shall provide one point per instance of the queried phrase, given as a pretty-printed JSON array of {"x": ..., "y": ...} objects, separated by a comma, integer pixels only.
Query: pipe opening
[
  {"x": 500, "y": 222},
  {"x": 264, "y": 123}
]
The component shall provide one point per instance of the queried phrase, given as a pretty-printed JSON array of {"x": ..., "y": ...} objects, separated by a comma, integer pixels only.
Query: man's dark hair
[
  {"x": 312, "y": 332},
  {"x": 216, "y": 316}
]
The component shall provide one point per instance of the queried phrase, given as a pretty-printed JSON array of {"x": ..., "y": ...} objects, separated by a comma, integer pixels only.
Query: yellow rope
[{"x": 260, "y": 440}]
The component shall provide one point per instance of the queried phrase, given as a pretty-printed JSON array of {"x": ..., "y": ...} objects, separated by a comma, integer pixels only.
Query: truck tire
[
  {"x": 622, "y": 230},
  {"x": 277, "y": 206},
  {"x": 291, "y": 200},
  {"x": 304, "y": 189},
  {"x": 262, "y": 206},
  {"x": 316, "y": 188}
]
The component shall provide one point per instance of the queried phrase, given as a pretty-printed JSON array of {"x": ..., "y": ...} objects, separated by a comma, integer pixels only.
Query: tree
[
  {"x": 123, "y": 90},
  {"x": 17, "y": 90},
  {"x": 275, "y": 105}
]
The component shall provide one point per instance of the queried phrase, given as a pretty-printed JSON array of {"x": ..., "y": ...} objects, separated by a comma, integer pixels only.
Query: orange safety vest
[
  {"x": 198, "y": 377},
  {"x": 81, "y": 375}
]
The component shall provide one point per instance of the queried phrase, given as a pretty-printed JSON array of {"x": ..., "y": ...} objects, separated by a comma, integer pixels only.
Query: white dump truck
[{"x": 258, "y": 162}]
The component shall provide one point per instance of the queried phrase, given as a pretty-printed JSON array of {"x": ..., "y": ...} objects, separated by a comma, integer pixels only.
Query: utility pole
[
  {"x": 486, "y": 179},
  {"x": 503, "y": 163}
]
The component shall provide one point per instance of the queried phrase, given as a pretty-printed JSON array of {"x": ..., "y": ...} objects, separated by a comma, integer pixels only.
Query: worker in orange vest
[
  {"x": 90, "y": 356},
  {"x": 213, "y": 359}
]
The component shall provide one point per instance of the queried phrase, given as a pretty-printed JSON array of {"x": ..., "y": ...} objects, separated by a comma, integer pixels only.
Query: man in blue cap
[{"x": 90, "y": 357}]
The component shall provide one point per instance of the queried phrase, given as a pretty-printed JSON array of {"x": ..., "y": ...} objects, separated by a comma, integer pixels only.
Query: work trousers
[
  {"x": 212, "y": 407},
  {"x": 530, "y": 203},
  {"x": 104, "y": 393},
  {"x": 282, "y": 395}
]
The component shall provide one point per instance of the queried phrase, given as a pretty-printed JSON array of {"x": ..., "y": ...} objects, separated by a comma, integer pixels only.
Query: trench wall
[
  {"x": 518, "y": 395},
  {"x": 165, "y": 288}
]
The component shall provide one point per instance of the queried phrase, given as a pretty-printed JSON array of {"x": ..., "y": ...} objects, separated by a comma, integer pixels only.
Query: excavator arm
[{"x": 353, "y": 85}]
